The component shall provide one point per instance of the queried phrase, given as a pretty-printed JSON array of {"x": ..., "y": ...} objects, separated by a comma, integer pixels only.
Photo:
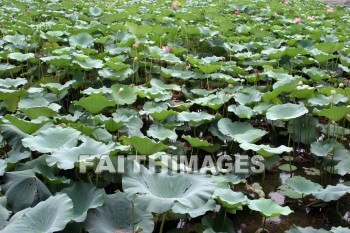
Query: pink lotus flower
[
  {"x": 297, "y": 20},
  {"x": 330, "y": 10},
  {"x": 136, "y": 44},
  {"x": 174, "y": 6},
  {"x": 166, "y": 48},
  {"x": 286, "y": 2},
  {"x": 310, "y": 18},
  {"x": 237, "y": 12}
]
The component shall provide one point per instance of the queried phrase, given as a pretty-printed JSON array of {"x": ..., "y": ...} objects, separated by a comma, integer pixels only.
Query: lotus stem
[{"x": 163, "y": 222}]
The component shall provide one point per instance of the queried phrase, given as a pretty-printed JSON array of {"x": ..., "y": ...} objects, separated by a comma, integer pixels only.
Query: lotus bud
[
  {"x": 230, "y": 86},
  {"x": 333, "y": 92},
  {"x": 120, "y": 90},
  {"x": 341, "y": 85}
]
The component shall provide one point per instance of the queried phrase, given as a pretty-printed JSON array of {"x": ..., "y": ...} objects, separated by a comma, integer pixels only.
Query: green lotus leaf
[
  {"x": 160, "y": 84},
  {"x": 340, "y": 229},
  {"x": 265, "y": 150},
  {"x": 296, "y": 229},
  {"x": 268, "y": 208},
  {"x": 303, "y": 186},
  {"x": 241, "y": 111},
  {"x": 322, "y": 148},
  {"x": 111, "y": 124},
  {"x": 89, "y": 63},
  {"x": 315, "y": 74},
  {"x": 66, "y": 157},
  {"x": 83, "y": 40},
  {"x": 161, "y": 133},
  {"x": 59, "y": 61},
  {"x": 20, "y": 56},
  {"x": 303, "y": 92},
  {"x": 320, "y": 56},
  {"x": 332, "y": 193},
  {"x": 224, "y": 78},
  {"x": 3, "y": 167},
  {"x": 28, "y": 127},
  {"x": 51, "y": 215},
  {"x": 95, "y": 11},
  {"x": 8, "y": 82},
  {"x": 247, "y": 96},
  {"x": 23, "y": 189},
  {"x": 181, "y": 74},
  {"x": 144, "y": 145},
  {"x": 16, "y": 39},
  {"x": 334, "y": 113},
  {"x": 118, "y": 215},
  {"x": 157, "y": 53},
  {"x": 51, "y": 139},
  {"x": 113, "y": 75},
  {"x": 286, "y": 191},
  {"x": 219, "y": 224},
  {"x": 158, "y": 192},
  {"x": 323, "y": 100},
  {"x": 287, "y": 168},
  {"x": 179, "y": 208},
  {"x": 329, "y": 47},
  {"x": 214, "y": 101},
  {"x": 209, "y": 68},
  {"x": 6, "y": 94},
  {"x": 303, "y": 129},
  {"x": 138, "y": 30},
  {"x": 91, "y": 199},
  {"x": 58, "y": 88},
  {"x": 123, "y": 94},
  {"x": 4, "y": 213},
  {"x": 7, "y": 67},
  {"x": 345, "y": 61},
  {"x": 239, "y": 131},
  {"x": 287, "y": 84},
  {"x": 343, "y": 167},
  {"x": 230, "y": 199},
  {"x": 36, "y": 112},
  {"x": 95, "y": 103},
  {"x": 286, "y": 111},
  {"x": 195, "y": 118},
  {"x": 196, "y": 142}
]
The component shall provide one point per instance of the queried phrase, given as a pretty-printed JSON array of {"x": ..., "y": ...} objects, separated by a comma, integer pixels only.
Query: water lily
[
  {"x": 297, "y": 20},
  {"x": 174, "y": 6},
  {"x": 286, "y": 2},
  {"x": 330, "y": 10},
  {"x": 166, "y": 48},
  {"x": 237, "y": 12}
]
